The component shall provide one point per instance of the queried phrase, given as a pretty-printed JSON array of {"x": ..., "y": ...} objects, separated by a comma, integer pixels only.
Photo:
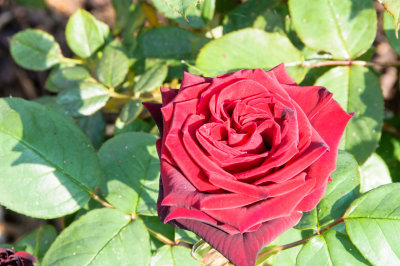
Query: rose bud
[
  {"x": 243, "y": 155},
  {"x": 8, "y": 257}
]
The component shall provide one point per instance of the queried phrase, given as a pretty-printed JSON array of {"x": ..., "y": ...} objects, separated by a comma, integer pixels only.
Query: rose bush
[{"x": 243, "y": 155}]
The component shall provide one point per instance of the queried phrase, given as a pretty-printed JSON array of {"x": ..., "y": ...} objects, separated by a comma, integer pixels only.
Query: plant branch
[
  {"x": 102, "y": 202},
  {"x": 348, "y": 63},
  {"x": 161, "y": 237},
  {"x": 277, "y": 249}
]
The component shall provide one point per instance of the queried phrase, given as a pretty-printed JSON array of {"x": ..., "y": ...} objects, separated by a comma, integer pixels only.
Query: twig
[
  {"x": 347, "y": 63},
  {"x": 102, "y": 202},
  {"x": 161, "y": 237}
]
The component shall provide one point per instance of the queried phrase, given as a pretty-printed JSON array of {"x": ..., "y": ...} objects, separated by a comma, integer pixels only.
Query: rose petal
[
  {"x": 168, "y": 95},
  {"x": 282, "y": 75},
  {"x": 241, "y": 249},
  {"x": 155, "y": 111}
]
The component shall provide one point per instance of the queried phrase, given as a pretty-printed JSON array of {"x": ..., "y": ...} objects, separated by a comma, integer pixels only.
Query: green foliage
[
  {"x": 246, "y": 49},
  {"x": 131, "y": 172},
  {"x": 357, "y": 90},
  {"x": 35, "y": 50},
  {"x": 85, "y": 34},
  {"x": 373, "y": 224},
  {"x": 46, "y": 161},
  {"x": 393, "y": 8},
  {"x": 49, "y": 165}
]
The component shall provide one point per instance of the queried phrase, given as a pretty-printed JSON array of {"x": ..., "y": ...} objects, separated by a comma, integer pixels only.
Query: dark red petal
[
  {"x": 311, "y": 99},
  {"x": 330, "y": 123},
  {"x": 241, "y": 249},
  {"x": 168, "y": 95},
  {"x": 190, "y": 80},
  {"x": 155, "y": 111},
  {"x": 246, "y": 217},
  {"x": 282, "y": 75}
]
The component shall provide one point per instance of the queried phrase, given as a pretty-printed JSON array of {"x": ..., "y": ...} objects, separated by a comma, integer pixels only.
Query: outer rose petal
[
  {"x": 330, "y": 123},
  {"x": 282, "y": 75},
  {"x": 241, "y": 249}
]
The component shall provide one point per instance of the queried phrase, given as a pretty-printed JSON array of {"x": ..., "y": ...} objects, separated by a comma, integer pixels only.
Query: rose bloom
[
  {"x": 243, "y": 155},
  {"x": 9, "y": 257}
]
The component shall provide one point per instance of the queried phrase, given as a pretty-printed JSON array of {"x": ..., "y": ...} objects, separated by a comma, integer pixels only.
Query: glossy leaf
[
  {"x": 38, "y": 241},
  {"x": 84, "y": 33},
  {"x": 85, "y": 100},
  {"x": 101, "y": 237},
  {"x": 193, "y": 15},
  {"x": 180, "y": 6},
  {"x": 113, "y": 66},
  {"x": 330, "y": 248},
  {"x": 373, "y": 224},
  {"x": 130, "y": 17},
  {"x": 357, "y": 89},
  {"x": 131, "y": 172},
  {"x": 393, "y": 8},
  {"x": 94, "y": 127},
  {"x": 152, "y": 78},
  {"x": 131, "y": 111},
  {"x": 35, "y": 49},
  {"x": 374, "y": 173},
  {"x": 344, "y": 28},
  {"x": 247, "y": 14},
  {"x": 136, "y": 126},
  {"x": 63, "y": 78},
  {"x": 344, "y": 188},
  {"x": 246, "y": 49},
  {"x": 154, "y": 224},
  {"x": 389, "y": 150},
  {"x": 390, "y": 32},
  {"x": 309, "y": 220},
  {"x": 287, "y": 257},
  {"x": 173, "y": 255},
  {"x": 165, "y": 42},
  {"x": 46, "y": 160}
]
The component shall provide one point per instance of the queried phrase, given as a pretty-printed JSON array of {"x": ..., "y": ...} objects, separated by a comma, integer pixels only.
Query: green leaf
[
  {"x": 165, "y": 42},
  {"x": 35, "y": 50},
  {"x": 38, "y": 241},
  {"x": 84, "y": 33},
  {"x": 247, "y": 14},
  {"x": 173, "y": 255},
  {"x": 374, "y": 172},
  {"x": 373, "y": 224},
  {"x": 94, "y": 127},
  {"x": 309, "y": 220},
  {"x": 131, "y": 172},
  {"x": 344, "y": 188},
  {"x": 389, "y": 150},
  {"x": 390, "y": 32},
  {"x": 66, "y": 77},
  {"x": 136, "y": 126},
  {"x": 186, "y": 236},
  {"x": 131, "y": 111},
  {"x": 357, "y": 89},
  {"x": 179, "y": 6},
  {"x": 104, "y": 237},
  {"x": 287, "y": 257},
  {"x": 207, "y": 10},
  {"x": 113, "y": 65},
  {"x": 154, "y": 224},
  {"x": 393, "y": 8},
  {"x": 246, "y": 49},
  {"x": 130, "y": 17},
  {"x": 344, "y": 28},
  {"x": 330, "y": 248},
  {"x": 46, "y": 161},
  {"x": 193, "y": 16},
  {"x": 85, "y": 100},
  {"x": 51, "y": 103},
  {"x": 152, "y": 78}
]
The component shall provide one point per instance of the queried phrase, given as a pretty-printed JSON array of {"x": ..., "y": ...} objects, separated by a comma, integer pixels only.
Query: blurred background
[{"x": 52, "y": 15}]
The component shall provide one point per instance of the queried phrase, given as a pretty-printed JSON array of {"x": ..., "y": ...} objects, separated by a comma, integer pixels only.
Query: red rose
[
  {"x": 243, "y": 155},
  {"x": 8, "y": 257}
]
